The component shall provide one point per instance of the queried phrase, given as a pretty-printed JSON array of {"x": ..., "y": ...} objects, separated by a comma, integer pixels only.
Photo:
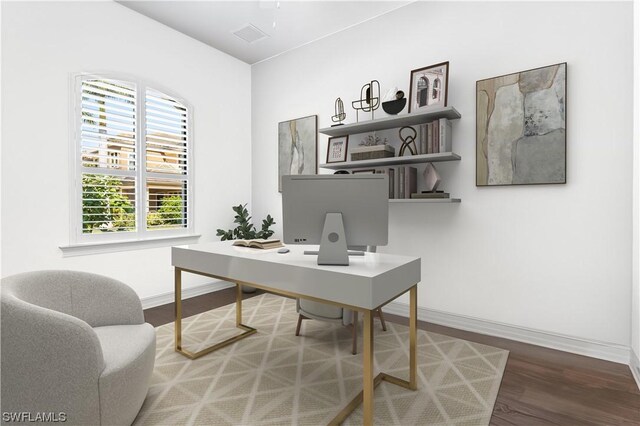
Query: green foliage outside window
[{"x": 106, "y": 209}]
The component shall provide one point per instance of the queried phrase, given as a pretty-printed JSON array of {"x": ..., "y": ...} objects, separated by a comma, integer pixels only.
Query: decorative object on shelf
[
  {"x": 370, "y": 152},
  {"x": 431, "y": 178},
  {"x": 337, "y": 149},
  {"x": 372, "y": 140},
  {"x": 394, "y": 101},
  {"x": 520, "y": 131},
  {"x": 372, "y": 147},
  {"x": 340, "y": 114},
  {"x": 367, "y": 171},
  {"x": 297, "y": 147},
  {"x": 429, "y": 87},
  {"x": 408, "y": 140},
  {"x": 341, "y": 172},
  {"x": 369, "y": 98}
]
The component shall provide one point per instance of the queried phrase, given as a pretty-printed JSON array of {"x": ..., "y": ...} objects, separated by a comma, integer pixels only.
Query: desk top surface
[
  {"x": 368, "y": 281},
  {"x": 369, "y": 265}
]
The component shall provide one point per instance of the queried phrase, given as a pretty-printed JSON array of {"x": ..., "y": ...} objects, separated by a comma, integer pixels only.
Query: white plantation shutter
[
  {"x": 108, "y": 156},
  {"x": 133, "y": 170},
  {"x": 167, "y": 168}
]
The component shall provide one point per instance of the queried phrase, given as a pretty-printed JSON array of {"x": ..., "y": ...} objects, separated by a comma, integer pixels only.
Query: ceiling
[{"x": 296, "y": 22}]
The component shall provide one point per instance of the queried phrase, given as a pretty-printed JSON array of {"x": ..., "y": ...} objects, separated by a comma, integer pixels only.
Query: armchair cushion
[{"x": 129, "y": 352}]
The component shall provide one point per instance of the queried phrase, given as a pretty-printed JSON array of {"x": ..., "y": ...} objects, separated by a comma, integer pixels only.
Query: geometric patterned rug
[{"x": 276, "y": 378}]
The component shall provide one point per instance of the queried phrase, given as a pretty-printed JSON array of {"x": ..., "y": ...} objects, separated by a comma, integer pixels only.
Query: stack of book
[
  {"x": 430, "y": 194},
  {"x": 407, "y": 181},
  {"x": 435, "y": 137},
  {"x": 402, "y": 182},
  {"x": 391, "y": 173}
]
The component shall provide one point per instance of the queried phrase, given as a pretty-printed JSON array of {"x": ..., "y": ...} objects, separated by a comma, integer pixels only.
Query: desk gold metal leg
[
  {"x": 178, "y": 321},
  {"x": 413, "y": 336},
  {"x": 178, "y": 307},
  {"x": 367, "y": 373},
  {"x": 238, "y": 304},
  {"x": 369, "y": 382}
]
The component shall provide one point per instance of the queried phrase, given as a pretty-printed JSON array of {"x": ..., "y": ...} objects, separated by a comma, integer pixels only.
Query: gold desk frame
[{"x": 365, "y": 397}]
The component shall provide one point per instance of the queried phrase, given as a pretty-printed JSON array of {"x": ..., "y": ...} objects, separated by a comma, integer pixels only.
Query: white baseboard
[
  {"x": 187, "y": 293},
  {"x": 635, "y": 367},
  {"x": 602, "y": 350}
]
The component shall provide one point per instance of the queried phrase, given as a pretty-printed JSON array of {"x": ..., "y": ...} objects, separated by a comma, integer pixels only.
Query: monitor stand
[{"x": 333, "y": 243}]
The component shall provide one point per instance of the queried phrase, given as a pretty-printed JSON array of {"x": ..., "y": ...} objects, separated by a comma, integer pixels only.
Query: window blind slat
[
  {"x": 165, "y": 140},
  {"x": 120, "y": 118},
  {"x": 161, "y": 140},
  {"x": 96, "y": 103}
]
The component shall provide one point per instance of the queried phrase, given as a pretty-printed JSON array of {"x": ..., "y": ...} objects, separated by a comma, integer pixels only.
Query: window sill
[{"x": 116, "y": 246}]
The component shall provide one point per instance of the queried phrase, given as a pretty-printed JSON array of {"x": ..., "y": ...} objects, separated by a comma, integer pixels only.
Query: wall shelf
[
  {"x": 393, "y": 161},
  {"x": 392, "y": 122}
]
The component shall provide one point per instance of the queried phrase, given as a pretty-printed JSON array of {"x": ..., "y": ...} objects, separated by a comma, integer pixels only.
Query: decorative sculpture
[
  {"x": 408, "y": 140},
  {"x": 369, "y": 98},
  {"x": 394, "y": 101},
  {"x": 340, "y": 115},
  {"x": 431, "y": 178}
]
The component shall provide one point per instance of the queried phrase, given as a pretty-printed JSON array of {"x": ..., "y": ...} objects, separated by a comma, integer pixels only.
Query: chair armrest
[
  {"x": 50, "y": 362},
  {"x": 102, "y": 301}
]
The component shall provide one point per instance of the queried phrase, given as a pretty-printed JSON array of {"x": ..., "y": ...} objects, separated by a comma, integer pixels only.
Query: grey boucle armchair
[{"x": 74, "y": 343}]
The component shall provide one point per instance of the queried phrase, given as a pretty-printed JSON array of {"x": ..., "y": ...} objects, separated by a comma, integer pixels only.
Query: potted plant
[{"x": 246, "y": 230}]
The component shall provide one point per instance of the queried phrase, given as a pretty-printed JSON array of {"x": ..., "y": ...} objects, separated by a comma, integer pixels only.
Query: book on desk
[{"x": 259, "y": 243}]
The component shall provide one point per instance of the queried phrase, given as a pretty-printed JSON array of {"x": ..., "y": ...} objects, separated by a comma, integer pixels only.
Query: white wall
[
  {"x": 42, "y": 45},
  {"x": 555, "y": 258}
]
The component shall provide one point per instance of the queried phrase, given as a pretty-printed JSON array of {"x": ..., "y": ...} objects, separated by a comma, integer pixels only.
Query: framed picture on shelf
[
  {"x": 368, "y": 171},
  {"x": 521, "y": 128},
  {"x": 297, "y": 147},
  {"x": 337, "y": 149},
  {"x": 429, "y": 87}
]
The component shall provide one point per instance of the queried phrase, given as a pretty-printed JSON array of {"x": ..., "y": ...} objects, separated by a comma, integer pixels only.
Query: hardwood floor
[{"x": 540, "y": 386}]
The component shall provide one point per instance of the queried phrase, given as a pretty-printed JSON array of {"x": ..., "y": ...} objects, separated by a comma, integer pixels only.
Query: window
[{"x": 133, "y": 171}]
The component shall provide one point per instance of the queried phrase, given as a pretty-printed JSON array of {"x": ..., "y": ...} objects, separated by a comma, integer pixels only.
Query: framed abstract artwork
[
  {"x": 297, "y": 147},
  {"x": 521, "y": 128},
  {"x": 429, "y": 87}
]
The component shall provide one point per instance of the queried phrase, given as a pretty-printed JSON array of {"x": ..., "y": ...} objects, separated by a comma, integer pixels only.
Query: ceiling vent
[{"x": 250, "y": 34}]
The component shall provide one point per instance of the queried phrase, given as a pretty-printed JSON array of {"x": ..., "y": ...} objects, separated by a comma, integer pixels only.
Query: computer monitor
[{"x": 335, "y": 211}]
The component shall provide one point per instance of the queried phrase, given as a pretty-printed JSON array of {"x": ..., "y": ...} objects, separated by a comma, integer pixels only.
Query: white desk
[{"x": 366, "y": 284}]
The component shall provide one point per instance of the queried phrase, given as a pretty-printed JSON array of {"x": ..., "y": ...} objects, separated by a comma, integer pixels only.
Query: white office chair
[{"x": 308, "y": 309}]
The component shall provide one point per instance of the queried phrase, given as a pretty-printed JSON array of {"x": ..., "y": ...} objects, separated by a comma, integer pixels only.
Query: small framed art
[
  {"x": 429, "y": 87},
  {"x": 337, "y": 149}
]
